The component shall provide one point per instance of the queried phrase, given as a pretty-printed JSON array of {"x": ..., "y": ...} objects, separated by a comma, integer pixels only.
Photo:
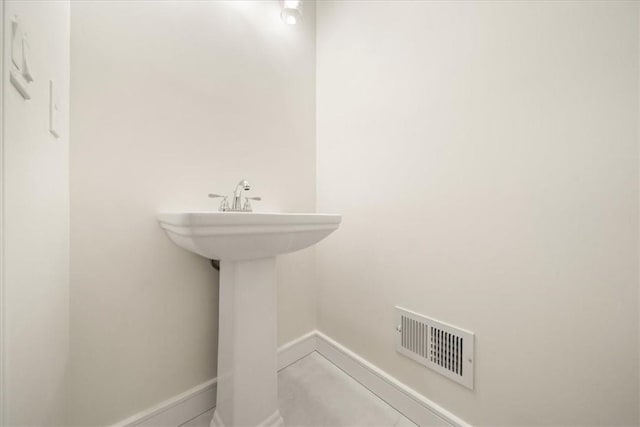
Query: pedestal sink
[{"x": 247, "y": 245}]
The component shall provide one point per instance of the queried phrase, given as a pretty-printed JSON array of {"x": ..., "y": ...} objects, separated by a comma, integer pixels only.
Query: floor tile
[
  {"x": 313, "y": 392},
  {"x": 405, "y": 422},
  {"x": 200, "y": 421}
]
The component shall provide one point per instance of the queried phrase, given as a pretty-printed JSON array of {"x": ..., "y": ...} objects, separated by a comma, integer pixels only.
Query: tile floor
[{"x": 315, "y": 392}]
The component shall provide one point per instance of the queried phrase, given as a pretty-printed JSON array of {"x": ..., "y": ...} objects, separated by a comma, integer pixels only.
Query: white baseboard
[
  {"x": 404, "y": 399},
  {"x": 297, "y": 349},
  {"x": 176, "y": 410},
  {"x": 188, "y": 405}
]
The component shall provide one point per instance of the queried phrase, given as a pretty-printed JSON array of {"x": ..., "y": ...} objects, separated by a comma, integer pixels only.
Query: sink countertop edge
[{"x": 244, "y": 219}]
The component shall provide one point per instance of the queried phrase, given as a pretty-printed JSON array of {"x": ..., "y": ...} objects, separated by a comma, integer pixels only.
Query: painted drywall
[
  {"x": 2, "y": 300},
  {"x": 172, "y": 101},
  {"x": 36, "y": 222},
  {"x": 485, "y": 158}
]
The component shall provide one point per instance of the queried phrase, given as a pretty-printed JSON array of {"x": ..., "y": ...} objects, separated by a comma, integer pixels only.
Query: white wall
[
  {"x": 485, "y": 158},
  {"x": 36, "y": 223},
  {"x": 171, "y": 101},
  {"x": 2, "y": 298}
]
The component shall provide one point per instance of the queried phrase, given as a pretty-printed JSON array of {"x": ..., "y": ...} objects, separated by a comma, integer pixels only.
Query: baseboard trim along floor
[
  {"x": 422, "y": 411},
  {"x": 176, "y": 410},
  {"x": 404, "y": 399}
]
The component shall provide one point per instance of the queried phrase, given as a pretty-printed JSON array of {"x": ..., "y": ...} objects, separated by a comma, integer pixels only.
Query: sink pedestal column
[{"x": 247, "y": 345}]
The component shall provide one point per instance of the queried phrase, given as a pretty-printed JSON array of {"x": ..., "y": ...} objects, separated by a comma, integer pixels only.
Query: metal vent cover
[{"x": 444, "y": 348}]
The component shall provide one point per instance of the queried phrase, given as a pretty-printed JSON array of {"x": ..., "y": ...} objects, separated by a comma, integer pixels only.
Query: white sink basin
[
  {"x": 246, "y": 235},
  {"x": 246, "y": 244}
]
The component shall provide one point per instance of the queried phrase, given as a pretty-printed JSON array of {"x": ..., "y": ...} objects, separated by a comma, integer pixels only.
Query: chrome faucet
[
  {"x": 236, "y": 205},
  {"x": 237, "y": 194}
]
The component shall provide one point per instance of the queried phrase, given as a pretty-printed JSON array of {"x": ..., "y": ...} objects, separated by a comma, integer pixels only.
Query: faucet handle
[
  {"x": 246, "y": 207},
  {"x": 224, "y": 204}
]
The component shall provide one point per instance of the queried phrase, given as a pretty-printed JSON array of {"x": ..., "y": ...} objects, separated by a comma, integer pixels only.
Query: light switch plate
[{"x": 54, "y": 122}]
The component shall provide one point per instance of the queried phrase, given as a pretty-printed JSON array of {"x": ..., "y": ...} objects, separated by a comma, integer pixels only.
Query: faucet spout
[
  {"x": 237, "y": 194},
  {"x": 236, "y": 205}
]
